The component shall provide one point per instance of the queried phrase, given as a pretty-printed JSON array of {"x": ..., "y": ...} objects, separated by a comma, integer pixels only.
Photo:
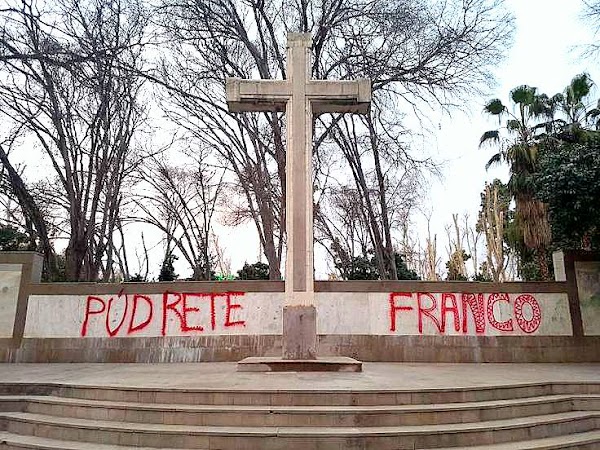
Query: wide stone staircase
[{"x": 526, "y": 416}]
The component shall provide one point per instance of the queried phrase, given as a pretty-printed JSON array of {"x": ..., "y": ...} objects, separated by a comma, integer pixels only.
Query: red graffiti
[
  {"x": 113, "y": 332},
  {"x": 231, "y": 307},
  {"x": 90, "y": 311},
  {"x": 142, "y": 324},
  {"x": 507, "y": 325},
  {"x": 427, "y": 312},
  {"x": 453, "y": 309},
  {"x": 533, "y": 323},
  {"x": 178, "y": 312},
  {"x": 181, "y": 314},
  {"x": 475, "y": 304},
  {"x": 433, "y": 313},
  {"x": 394, "y": 308}
]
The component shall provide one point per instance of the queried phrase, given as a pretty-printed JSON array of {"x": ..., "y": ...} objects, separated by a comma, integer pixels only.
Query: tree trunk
[
  {"x": 387, "y": 250},
  {"x": 542, "y": 262},
  {"x": 32, "y": 214}
]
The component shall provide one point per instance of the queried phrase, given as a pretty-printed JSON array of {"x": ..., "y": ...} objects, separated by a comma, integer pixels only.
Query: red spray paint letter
[
  {"x": 394, "y": 308},
  {"x": 475, "y": 302},
  {"x": 507, "y": 325},
  {"x": 170, "y": 306},
  {"x": 231, "y": 307},
  {"x": 113, "y": 332},
  {"x": 532, "y": 324},
  {"x": 140, "y": 326},
  {"x": 427, "y": 311},
  {"x": 453, "y": 309},
  {"x": 213, "y": 314},
  {"x": 89, "y": 311},
  {"x": 185, "y": 326}
]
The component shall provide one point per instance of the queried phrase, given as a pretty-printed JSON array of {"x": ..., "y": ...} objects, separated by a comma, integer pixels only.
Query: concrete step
[
  {"x": 589, "y": 440},
  {"x": 300, "y": 397},
  {"x": 327, "y": 416},
  {"x": 581, "y": 441},
  {"x": 305, "y": 438},
  {"x": 10, "y": 441}
]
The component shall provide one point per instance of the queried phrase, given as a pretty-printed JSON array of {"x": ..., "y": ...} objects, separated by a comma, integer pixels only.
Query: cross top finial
[{"x": 299, "y": 40}]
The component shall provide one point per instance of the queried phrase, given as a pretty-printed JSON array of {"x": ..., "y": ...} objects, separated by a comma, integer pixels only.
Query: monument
[{"x": 300, "y": 97}]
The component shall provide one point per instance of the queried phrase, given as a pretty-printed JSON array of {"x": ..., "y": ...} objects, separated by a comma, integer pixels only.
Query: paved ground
[{"x": 375, "y": 376}]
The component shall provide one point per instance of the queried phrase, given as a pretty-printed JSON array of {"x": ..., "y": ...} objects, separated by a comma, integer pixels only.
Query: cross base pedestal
[
  {"x": 299, "y": 348},
  {"x": 321, "y": 364},
  {"x": 299, "y": 332}
]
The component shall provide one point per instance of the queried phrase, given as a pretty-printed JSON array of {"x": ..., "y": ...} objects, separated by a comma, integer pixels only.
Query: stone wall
[
  {"x": 10, "y": 280},
  {"x": 226, "y": 321},
  {"x": 588, "y": 287},
  {"x": 188, "y": 313}
]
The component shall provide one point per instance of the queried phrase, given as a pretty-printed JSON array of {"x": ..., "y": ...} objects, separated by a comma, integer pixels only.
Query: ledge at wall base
[{"x": 321, "y": 364}]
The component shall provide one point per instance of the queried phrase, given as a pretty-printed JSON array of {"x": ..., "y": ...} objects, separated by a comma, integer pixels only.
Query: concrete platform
[
  {"x": 374, "y": 377},
  {"x": 321, "y": 364}
]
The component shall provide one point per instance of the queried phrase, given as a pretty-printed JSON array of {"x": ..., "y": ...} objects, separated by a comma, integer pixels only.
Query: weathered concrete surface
[
  {"x": 386, "y": 407},
  {"x": 375, "y": 376},
  {"x": 468, "y": 349},
  {"x": 299, "y": 332},
  {"x": 10, "y": 280},
  {"x": 447, "y": 349},
  {"x": 321, "y": 364},
  {"x": 588, "y": 285}
]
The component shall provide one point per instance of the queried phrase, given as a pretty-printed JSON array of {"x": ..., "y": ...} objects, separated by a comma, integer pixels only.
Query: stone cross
[{"x": 300, "y": 97}]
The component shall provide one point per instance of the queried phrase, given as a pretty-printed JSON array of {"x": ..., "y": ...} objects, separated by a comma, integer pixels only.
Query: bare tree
[
  {"x": 472, "y": 236},
  {"x": 386, "y": 177},
  {"x": 67, "y": 81},
  {"x": 217, "y": 40},
  {"x": 222, "y": 263},
  {"x": 407, "y": 245},
  {"x": 591, "y": 14},
  {"x": 340, "y": 226},
  {"x": 29, "y": 213},
  {"x": 457, "y": 269},
  {"x": 181, "y": 202},
  {"x": 354, "y": 220},
  {"x": 492, "y": 223},
  {"x": 430, "y": 260}
]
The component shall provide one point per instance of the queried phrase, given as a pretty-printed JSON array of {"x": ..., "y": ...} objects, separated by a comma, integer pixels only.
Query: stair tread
[
  {"x": 550, "y": 443},
  {"x": 299, "y": 431},
  {"x": 299, "y": 390},
  {"x": 319, "y": 409},
  {"x": 43, "y": 443}
]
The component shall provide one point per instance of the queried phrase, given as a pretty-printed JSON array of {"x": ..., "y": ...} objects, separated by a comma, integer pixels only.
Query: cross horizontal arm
[
  {"x": 256, "y": 95},
  {"x": 326, "y": 96},
  {"x": 329, "y": 96}
]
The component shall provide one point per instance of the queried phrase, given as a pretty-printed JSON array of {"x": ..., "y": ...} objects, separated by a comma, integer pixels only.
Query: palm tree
[
  {"x": 526, "y": 135},
  {"x": 574, "y": 104}
]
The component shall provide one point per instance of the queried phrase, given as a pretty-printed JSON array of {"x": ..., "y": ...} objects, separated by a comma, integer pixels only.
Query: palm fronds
[
  {"x": 491, "y": 136},
  {"x": 494, "y": 160},
  {"x": 494, "y": 107}
]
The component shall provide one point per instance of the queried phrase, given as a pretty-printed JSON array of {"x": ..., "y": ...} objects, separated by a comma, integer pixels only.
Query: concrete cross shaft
[{"x": 300, "y": 97}]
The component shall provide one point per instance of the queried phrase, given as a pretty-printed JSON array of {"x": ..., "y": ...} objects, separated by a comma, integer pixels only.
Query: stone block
[
  {"x": 325, "y": 364},
  {"x": 299, "y": 332}
]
